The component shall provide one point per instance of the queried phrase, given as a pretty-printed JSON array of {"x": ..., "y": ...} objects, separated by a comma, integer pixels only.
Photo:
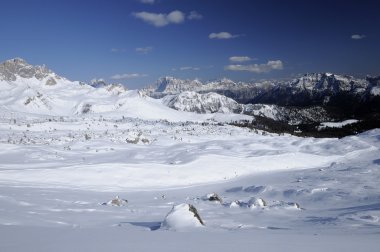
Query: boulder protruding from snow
[
  {"x": 235, "y": 204},
  {"x": 181, "y": 217},
  {"x": 116, "y": 202},
  {"x": 213, "y": 197},
  {"x": 256, "y": 203}
]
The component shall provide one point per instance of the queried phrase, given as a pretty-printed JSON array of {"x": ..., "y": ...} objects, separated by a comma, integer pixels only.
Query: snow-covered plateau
[{"x": 140, "y": 176}]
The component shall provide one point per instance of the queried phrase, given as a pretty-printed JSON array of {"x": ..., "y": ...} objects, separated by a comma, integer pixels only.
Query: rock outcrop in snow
[
  {"x": 117, "y": 201},
  {"x": 183, "y": 216}
]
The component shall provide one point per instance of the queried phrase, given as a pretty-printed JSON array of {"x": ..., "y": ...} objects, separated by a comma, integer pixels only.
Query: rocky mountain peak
[
  {"x": 170, "y": 84},
  {"x": 98, "y": 83},
  {"x": 18, "y": 67}
]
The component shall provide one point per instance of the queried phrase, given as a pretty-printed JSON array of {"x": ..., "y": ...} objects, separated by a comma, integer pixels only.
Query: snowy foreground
[{"x": 60, "y": 178}]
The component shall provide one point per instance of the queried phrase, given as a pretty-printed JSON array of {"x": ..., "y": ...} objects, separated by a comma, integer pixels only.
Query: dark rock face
[
  {"x": 196, "y": 214},
  {"x": 214, "y": 197}
]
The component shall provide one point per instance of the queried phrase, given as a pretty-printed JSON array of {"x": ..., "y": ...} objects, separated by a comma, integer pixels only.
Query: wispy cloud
[
  {"x": 185, "y": 68},
  {"x": 358, "y": 37},
  {"x": 147, "y": 1},
  {"x": 144, "y": 50},
  {"x": 160, "y": 19},
  {"x": 194, "y": 16},
  {"x": 222, "y": 35},
  {"x": 118, "y": 50},
  {"x": 258, "y": 68},
  {"x": 127, "y": 76},
  {"x": 240, "y": 58}
]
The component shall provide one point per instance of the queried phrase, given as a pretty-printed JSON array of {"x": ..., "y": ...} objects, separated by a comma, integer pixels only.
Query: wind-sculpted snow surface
[{"x": 56, "y": 173}]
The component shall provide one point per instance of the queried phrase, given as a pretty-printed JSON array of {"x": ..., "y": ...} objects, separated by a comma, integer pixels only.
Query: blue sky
[{"x": 134, "y": 42}]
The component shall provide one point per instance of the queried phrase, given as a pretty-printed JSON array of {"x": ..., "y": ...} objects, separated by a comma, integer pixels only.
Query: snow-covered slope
[{"x": 58, "y": 175}]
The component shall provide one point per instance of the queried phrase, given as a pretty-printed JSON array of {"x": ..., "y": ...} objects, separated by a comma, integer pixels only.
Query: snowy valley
[{"x": 102, "y": 168}]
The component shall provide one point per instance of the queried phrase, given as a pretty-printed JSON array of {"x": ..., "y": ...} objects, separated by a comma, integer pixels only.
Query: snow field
[{"x": 56, "y": 173}]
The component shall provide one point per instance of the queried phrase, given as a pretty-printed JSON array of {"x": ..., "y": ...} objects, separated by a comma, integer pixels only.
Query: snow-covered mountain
[
  {"x": 239, "y": 91},
  {"x": 17, "y": 68},
  {"x": 173, "y": 85},
  {"x": 38, "y": 90},
  {"x": 309, "y": 98},
  {"x": 202, "y": 103},
  {"x": 310, "y": 89},
  {"x": 321, "y": 89}
]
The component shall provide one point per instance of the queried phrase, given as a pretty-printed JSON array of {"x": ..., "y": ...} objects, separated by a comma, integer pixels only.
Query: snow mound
[
  {"x": 183, "y": 216},
  {"x": 252, "y": 203},
  {"x": 286, "y": 205}
]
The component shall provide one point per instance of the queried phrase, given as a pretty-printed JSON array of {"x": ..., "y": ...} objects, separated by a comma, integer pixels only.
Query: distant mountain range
[
  {"x": 309, "y": 99},
  {"x": 310, "y": 89},
  {"x": 336, "y": 96}
]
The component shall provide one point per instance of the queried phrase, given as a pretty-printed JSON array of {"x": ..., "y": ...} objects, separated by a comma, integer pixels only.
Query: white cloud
[
  {"x": 357, "y": 36},
  {"x": 258, "y": 68},
  {"x": 117, "y": 50},
  {"x": 127, "y": 76},
  {"x": 222, "y": 35},
  {"x": 147, "y": 1},
  {"x": 144, "y": 50},
  {"x": 240, "y": 58},
  {"x": 94, "y": 80},
  {"x": 176, "y": 17},
  {"x": 194, "y": 16},
  {"x": 189, "y": 68},
  {"x": 159, "y": 19}
]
